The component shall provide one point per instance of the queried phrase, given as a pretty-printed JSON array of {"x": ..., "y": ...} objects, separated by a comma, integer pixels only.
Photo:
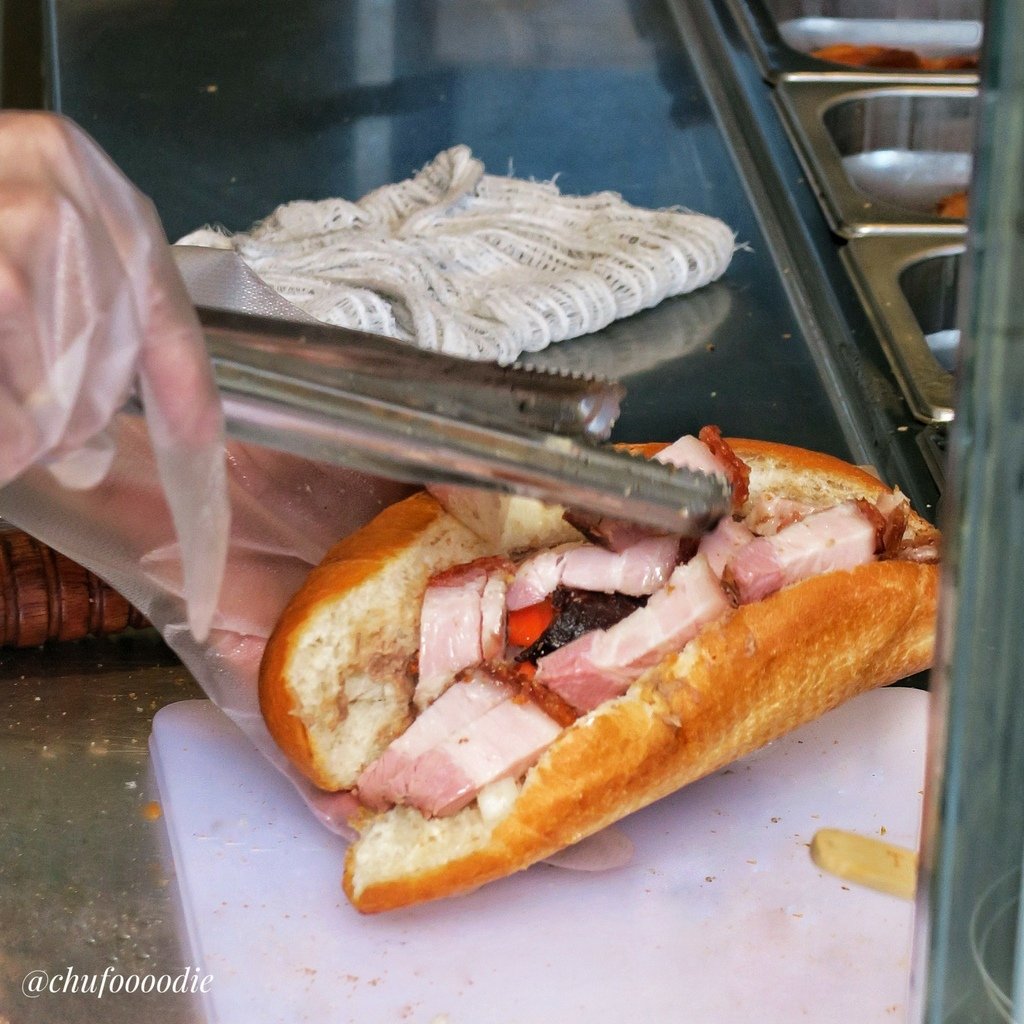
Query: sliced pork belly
[
  {"x": 770, "y": 513},
  {"x": 894, "y": 510},
  {"x": 709, "y": 453},
  {"x": 462, "y": 623},
  {"x": 723, "y": 542},
  {"x": 581, "y": 676},
  {"x": 500, "y": 744},
  {"x": 493, "y": 616},
  {"x": 601, "y": 664},
  {"x": 637, "y": 571},
  {"x": 384, "y": 781},
  {"x": 537, "y": 577},
  {"x": 840, "y": 537},
  {"x": 606, "y": 531},
  {"x": 737, "y": 472},
  {"x": 690, "y": 452}
]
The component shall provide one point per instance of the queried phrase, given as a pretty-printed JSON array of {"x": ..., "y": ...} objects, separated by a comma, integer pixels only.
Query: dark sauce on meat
[{"x": 577, "y": 612}]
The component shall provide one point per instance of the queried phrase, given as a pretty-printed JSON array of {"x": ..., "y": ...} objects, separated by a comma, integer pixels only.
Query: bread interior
[{"x": 353, "y": 699}]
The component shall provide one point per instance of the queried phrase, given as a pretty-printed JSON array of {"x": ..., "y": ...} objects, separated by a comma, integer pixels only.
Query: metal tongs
[{"x": 375, "y": 404}]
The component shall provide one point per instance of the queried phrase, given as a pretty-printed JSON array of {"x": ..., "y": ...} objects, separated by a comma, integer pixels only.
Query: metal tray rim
[
  {"x": 803, "y": 106},
  {"x": 874, "y": 265}
]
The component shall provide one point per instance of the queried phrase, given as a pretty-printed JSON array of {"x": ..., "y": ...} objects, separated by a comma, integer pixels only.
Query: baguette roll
[{"x": 339, "y": 672}]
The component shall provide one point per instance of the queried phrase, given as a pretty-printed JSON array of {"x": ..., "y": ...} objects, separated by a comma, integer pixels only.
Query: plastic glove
[
  {"x": 91, "y": 306},
  {"x": 286, "y": 512}
]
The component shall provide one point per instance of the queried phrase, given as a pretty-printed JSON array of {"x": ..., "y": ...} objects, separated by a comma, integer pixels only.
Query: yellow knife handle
[{"x": 867, "y": 861}]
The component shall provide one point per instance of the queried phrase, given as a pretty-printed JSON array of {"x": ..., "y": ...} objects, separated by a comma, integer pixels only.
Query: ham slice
[
  {"x": 500, "y": 744},
  {"x": 840, "y": 537},
  {"x": 384, "y": 782},
  {"x": 462, "y": 623},
  {"x": 601, "y": 664},
  {"x": 639, "y": 570}
]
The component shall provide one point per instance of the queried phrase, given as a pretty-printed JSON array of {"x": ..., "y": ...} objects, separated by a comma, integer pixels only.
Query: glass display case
[{"x": 969, "y": 961}]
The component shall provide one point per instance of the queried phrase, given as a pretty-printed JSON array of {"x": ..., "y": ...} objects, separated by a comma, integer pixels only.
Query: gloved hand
[
  {"x": 91, "y": 305},
  {"x": 286, "y": 512}
]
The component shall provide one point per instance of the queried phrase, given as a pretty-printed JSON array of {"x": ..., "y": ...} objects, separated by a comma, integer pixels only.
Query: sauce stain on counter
[{"x": 152, "y": 811}]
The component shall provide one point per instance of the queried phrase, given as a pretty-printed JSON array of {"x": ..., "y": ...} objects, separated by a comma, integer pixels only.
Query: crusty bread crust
[{"x": 744, "y": 681}]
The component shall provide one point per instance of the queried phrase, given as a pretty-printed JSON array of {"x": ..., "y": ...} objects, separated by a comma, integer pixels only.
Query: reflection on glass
[{"x": 969, "y": 961}]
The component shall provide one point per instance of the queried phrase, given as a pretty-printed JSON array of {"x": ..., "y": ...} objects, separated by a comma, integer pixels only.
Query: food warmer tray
[
  {"x": 860, "y": 163},
  {"x": 782, "y": 34},
  {"x": 881, "y": 157},
  {"x": 909, "y": 285}
]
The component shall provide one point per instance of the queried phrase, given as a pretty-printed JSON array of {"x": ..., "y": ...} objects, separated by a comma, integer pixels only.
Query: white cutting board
[{"x": 720, "y": 917}]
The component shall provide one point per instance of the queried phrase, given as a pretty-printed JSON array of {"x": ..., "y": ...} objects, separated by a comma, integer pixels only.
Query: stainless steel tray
[
  {"x": 783, "y": 33},
  {"x": 881, "y": 157},
  {"x": 909, "y": 287}
]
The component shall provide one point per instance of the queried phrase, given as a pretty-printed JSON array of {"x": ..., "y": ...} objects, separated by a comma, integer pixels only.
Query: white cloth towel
[{"x": 476, "y": 265}]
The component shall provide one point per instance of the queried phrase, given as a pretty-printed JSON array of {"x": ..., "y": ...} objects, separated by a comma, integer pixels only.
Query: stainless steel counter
[
  {"x": 85, "y": 884},
  {"x": 222, "y": 109}
]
